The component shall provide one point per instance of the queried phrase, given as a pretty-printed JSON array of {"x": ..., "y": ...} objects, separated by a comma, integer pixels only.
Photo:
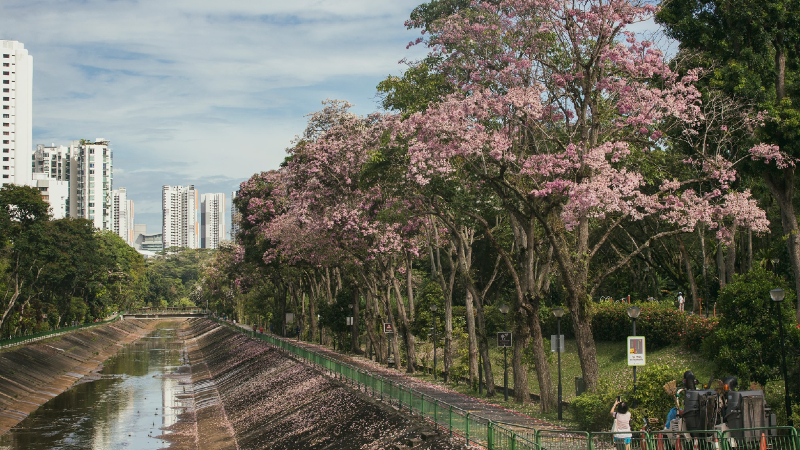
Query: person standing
[
  {"x": 681, "y": 301},
  {"x": 622, "y": 425}
]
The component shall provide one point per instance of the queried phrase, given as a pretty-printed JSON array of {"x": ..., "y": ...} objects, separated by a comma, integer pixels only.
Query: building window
[
  {"x": 6, "y": 116},
  {"x": 5, "y": 176},
  {"x": 5, "y": 150},
  {"x": 5, "y": 158},
  {"x": 5, "y": 167},
  {"x": 5, "y": 99},
  {"x": 5, "y": 73},
  {"x": 6, "y": 82},
  {"x": 5, "y": 55}
]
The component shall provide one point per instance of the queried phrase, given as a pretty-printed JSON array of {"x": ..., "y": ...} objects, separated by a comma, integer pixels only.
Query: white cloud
[{"x": 200, "y": 90}]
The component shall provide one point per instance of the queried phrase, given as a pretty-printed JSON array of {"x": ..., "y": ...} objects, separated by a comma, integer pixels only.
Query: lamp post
[
  {"x": 319, "y": 327},
  {"x": 558, "y": 312},
  {"x": 777, "y": 296},
  {"x": 633, "y": 313},
  {"x": 504, "y": 310}
]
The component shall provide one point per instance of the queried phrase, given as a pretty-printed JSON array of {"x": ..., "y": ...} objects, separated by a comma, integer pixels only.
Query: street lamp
[
  {"x": 434, "y": 308},
  {"x": 633, "y": 313},
  {"x": 504, "y": 310},
  {"x": 559, "y": 313},
  {"x": 777, "y": 296},
  {"x": 319, "y": 327}
]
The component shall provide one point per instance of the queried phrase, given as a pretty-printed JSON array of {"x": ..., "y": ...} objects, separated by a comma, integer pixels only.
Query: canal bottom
[{"x": 124, "y": 409}]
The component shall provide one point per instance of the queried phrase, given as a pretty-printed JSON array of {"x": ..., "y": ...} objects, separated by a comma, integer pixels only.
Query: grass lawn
[{"x": 613, "y": 366}]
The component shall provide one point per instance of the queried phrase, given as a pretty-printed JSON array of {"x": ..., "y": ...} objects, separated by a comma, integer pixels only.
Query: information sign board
[
  {"x": 636, "y": 351},
  {"x": 387, "y": 328},
  {"x": 504, "y": 339}
]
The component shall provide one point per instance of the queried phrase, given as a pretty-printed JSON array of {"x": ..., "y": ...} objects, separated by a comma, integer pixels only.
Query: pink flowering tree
[{"x": 561, "y": 113}]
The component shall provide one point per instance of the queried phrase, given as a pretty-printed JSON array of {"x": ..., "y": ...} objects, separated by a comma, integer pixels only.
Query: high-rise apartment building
[
  {"x": 51, "y": 168},
  {"x": 212, "y": 220},
  {"x": 120, "y": 211},
  {"x": 236, "y": 217},
  {"x": 16, "y": 109},
  {"x": 179, "y": 207},
  {"x": 131, "y": 230},
  {"x": 90, "y": 182}
]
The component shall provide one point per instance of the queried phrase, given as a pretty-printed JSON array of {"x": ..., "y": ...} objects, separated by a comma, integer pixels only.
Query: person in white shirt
[
  {"x": 622, "y": 425},
  {"x": 681, "y": 301}
]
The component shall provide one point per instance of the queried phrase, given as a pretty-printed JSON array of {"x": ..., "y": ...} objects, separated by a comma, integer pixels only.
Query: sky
[{"x": 202, "y": 92}]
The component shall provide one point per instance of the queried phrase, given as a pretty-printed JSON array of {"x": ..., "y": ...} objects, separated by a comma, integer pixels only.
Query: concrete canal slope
[
  {"x": 33, "y": 374},
  {"x": 247, "y": 395}
]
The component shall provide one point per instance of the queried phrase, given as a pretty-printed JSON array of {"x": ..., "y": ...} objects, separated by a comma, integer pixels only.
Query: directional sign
[
  {"x": 387, "y": 328},
  {"x": 504, "y": 339},
  {"x": 636, "y": 351},
  {"x": 349, "y": 320}
]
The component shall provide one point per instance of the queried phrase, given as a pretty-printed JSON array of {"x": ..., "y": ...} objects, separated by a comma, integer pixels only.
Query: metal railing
[
  {"x": 34, "y": 337},
  {"x": 503, "y": 436}
]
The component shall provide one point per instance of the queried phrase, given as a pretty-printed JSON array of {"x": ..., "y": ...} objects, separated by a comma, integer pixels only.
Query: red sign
[{"x": 388, "y": 328}]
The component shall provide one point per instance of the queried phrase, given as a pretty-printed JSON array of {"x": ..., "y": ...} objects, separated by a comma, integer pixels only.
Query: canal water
[{"x": 124, "y": 409}]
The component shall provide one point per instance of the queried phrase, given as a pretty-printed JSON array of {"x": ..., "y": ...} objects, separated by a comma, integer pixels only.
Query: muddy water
[{"x": 124, "y": 409}]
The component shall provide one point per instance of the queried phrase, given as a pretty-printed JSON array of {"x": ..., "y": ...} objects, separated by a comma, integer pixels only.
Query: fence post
[
  {"x": 451, "y": 421},
  {"x": 466, "y": 431},
  {"x": 422, "y": 405},
  {"x": 436, "y": 413},
  {"x": 490, "y": 435}
]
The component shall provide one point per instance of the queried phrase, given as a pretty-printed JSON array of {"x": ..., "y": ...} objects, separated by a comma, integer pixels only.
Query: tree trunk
[
  {"x": 473, "y": 341},
  {"x": 405, "y": 329},
  {"x": 392, "y": 337},
  {"x": 730, "y": 258},
  {"x": 687, "y": 263},
  {"x": 355, "y": 331},
  {"x": 782, "y": 187}
]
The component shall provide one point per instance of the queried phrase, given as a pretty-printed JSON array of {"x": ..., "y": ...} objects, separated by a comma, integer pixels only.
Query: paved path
[{"x": 438, "y": 391}]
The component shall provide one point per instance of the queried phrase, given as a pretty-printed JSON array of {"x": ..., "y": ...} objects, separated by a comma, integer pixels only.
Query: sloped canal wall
[
  {"x": 245, "y": 394},
  {"x": 33, "y": 374}
]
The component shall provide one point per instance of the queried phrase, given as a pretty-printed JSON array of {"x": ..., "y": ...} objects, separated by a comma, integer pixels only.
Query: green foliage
[
  {"x": 747, "y": 342},
  {"x": 592, "y": 410},
  {"x": 652, "y": 400},
  {"x": 660, "y": 323}
]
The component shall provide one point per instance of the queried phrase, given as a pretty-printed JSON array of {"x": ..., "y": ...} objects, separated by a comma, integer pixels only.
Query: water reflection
[{"x": 124, "y": 409}]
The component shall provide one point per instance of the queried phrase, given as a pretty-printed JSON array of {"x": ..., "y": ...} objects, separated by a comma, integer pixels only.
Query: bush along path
[{"x": 485, "y": 411}]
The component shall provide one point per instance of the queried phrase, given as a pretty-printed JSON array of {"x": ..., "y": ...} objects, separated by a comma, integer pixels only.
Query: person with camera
[{"x": 622, "y": 425}]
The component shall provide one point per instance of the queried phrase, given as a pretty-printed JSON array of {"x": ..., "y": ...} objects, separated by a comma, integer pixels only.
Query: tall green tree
[{"x": 754, "y": 48}]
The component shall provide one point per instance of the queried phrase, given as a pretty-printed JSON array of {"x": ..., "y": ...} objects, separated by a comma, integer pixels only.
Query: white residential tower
[
  {"x": 16, "y": 110},
  {"x": 212, "y": 220}
]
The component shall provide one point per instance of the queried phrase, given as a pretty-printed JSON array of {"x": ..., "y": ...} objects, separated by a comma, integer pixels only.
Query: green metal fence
[
  {"x": 34, "y": 337},
  {"x": 503, "y": 436}
]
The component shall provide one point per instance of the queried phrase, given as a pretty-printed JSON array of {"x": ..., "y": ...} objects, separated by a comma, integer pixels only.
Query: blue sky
[{"x": 202, "y": 92}]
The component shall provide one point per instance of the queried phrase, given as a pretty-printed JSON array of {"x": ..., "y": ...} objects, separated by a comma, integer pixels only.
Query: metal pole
[
  {"x": 633, "y": 404},
  {"x": 505, "y": 362},
  {"x": 783, "y": 367},
  {"x": 558, "y": 349}
]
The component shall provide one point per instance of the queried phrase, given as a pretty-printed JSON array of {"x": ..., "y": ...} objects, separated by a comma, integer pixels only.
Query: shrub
[
  {"x": 591, "y": 410},
  {"x": 660, "y": 323},
  {"x": 653, "y": 400},
  {"x": 697, "y": 330}
]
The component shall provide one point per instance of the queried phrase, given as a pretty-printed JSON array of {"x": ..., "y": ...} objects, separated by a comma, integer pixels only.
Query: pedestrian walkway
[{"x": 519, "y": 422}]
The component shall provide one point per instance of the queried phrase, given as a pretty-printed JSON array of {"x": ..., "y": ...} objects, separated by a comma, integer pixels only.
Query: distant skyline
[{"x": 197, "y": 91}]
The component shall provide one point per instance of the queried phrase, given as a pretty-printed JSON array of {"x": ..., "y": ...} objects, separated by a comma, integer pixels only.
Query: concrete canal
[
  {"x": 195, "y": 385},
  {"x": 122, "y": 406}
]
